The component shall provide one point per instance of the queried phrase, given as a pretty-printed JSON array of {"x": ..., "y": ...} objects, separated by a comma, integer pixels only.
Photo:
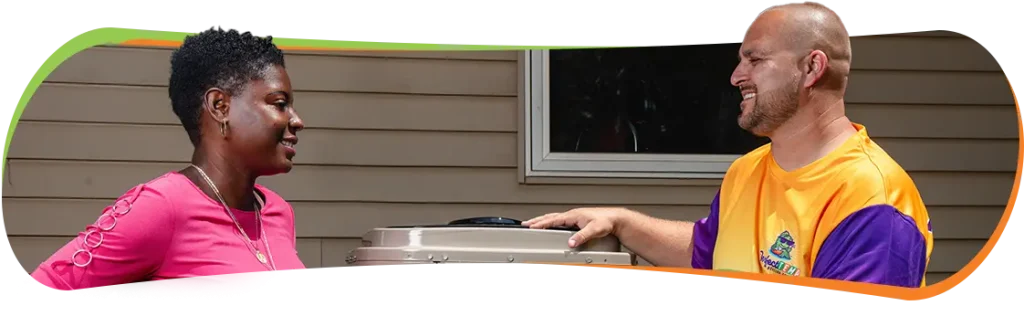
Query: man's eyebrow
[
  {"x": 749, "y": 53},
  {"x": 745, "y": 53}
]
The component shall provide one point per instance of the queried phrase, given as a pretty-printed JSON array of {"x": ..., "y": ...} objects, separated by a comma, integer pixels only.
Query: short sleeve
[
  {"x": 705, "y": 234},
  {"x": 876, "y": 244},
  {"x": 126, "y": 243}
]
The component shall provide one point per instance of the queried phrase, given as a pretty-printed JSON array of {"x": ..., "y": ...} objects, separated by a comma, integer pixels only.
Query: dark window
[{"x": 662, "y": 100}]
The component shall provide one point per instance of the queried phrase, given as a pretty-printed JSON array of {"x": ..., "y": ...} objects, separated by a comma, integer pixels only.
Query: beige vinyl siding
[{"x": 401, "y": 138}]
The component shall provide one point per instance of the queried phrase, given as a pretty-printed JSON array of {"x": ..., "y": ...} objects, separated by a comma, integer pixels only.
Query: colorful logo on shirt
[
  {"x": 778, "y": 255},
  {"x": 783, "y": 246}
]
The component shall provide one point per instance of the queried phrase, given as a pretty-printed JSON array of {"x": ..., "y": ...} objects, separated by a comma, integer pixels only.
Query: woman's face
[{"x": 263, "y": 124}]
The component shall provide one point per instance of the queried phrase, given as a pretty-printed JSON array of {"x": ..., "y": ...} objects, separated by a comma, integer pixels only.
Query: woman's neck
[{"x": 235, "y": 185}]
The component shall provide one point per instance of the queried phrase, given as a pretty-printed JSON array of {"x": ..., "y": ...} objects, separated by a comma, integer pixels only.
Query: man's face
[{"x": 767, "y": 76}]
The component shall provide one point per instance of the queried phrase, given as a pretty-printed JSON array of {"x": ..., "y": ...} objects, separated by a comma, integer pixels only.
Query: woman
[{"x": 234, "y": 98}]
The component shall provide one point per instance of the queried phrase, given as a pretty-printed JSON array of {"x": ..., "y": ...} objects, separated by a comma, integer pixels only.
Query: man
[{"x": 821, "y": 200}]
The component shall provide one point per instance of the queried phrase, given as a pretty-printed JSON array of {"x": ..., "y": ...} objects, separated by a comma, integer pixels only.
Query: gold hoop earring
[{"x": 223, "y": 128}]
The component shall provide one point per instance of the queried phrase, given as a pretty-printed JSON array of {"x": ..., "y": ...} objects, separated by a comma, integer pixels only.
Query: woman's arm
[{"x": 126, "y": 243}]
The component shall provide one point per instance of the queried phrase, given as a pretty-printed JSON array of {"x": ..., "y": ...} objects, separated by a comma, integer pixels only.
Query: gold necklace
[{"x": 259, "y": 221}]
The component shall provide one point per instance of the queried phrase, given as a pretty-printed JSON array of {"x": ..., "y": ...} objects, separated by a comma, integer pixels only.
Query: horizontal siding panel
[
  {"x": 150, "y": 105},
  {"x": 34, "y": 217},
  {"x": 33, "y": 178},
  {"x": 977, "y": 222},
  {"x": 82, "y": 141},
  {"x": 319, "y": 73},
  {"x": 953, "y": 255},
  {"x": 928, "y": 87},
  {"x": 936, "y": 121},
  {"x": 336, "y": 249},
  {"x": 952, "y": 155},
  {"x": 309, "y": 251},
  {"x": 424, "y": 54},
  {"x": 403, "y": 76},
  {"x": 964, "y": 189},
  {"x": 70, "y": 102},
  {"x": 31, "y": 250},
  {"x": 313, "y": 219},
  {"x": 921, "y": 53},
  {"x": 932, "y": 278},
  {"x": 910, "y": 51},
  {"x": 349, "y": 220},
  {"x": 500, "y": 55},
  {"x": 86, "y": 141}
]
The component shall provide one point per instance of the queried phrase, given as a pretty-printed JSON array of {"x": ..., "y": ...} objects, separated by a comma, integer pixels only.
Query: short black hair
[{"x": 215, "y": 58}]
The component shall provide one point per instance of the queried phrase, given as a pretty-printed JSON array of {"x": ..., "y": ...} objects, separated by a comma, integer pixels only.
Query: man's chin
[{"x": 756, "y": 129}]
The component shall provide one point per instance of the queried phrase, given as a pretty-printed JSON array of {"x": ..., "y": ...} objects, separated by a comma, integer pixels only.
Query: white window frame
[{"x": 541, "y": 162}]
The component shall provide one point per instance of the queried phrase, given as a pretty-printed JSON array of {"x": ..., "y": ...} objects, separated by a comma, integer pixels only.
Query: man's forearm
[{"x": 661, "y": 242}]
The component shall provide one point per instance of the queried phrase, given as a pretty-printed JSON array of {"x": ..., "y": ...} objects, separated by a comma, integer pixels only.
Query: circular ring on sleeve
[
  {"x": 98, "y": 222},
  {"x": 86, "y": 239},
  {"x": 75, "y": 255},
  {"x": 125, "y": 210}
]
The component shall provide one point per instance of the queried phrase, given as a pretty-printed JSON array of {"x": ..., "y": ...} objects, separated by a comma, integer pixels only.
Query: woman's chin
[{"x": 284, "y": 166}]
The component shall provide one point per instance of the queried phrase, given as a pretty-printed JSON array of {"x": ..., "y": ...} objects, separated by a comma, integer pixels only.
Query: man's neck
[
  {"x": 811, "y": 135},
  {"x": 233, "y": 183}
]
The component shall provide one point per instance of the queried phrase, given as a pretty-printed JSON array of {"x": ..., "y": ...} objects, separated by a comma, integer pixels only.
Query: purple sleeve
[
  {"x": 877, "y": 244},
  {"x": 705, "y": 232}
]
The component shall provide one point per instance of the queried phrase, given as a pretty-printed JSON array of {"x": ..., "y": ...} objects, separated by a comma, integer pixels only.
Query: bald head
[
  {"x": 802, "y": 28},
  {"x": 794, "y": 62}
]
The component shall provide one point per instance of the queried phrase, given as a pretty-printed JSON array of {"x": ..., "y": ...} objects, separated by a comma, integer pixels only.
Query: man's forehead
[
  {"x": 754, "y": 45},
  {"x": 762, "y": 35}
]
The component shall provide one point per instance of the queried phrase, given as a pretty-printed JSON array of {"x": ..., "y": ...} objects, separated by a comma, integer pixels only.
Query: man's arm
[
  {"x": 876, "y": 244},
  {"x": 671, "y": 243}
]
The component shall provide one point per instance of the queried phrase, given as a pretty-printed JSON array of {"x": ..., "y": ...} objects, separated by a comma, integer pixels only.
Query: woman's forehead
[{"x": 273, "y": 79}]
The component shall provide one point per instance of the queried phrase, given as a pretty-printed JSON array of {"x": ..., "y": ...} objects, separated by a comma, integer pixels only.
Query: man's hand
[{"x": 594, "y": 222}]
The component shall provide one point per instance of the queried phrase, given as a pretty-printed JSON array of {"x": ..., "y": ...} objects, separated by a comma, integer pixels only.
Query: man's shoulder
[
  {"x": 873, "y": 180},
  {"x": 872, "y": 171},
  {"x": 750, "y": 160}
]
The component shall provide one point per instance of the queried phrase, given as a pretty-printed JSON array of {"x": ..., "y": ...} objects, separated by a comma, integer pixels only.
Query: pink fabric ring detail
[
  {"x": 98, "y": 222},
  {"x": 75, "y": 255},
  {"x": 86, "y": 239},
  {"x": 126, "y": 208}
]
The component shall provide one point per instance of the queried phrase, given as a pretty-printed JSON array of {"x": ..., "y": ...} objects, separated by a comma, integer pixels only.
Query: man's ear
[
  {"x": 217, "y": 103},
  {"x": 815, "y": 66}
]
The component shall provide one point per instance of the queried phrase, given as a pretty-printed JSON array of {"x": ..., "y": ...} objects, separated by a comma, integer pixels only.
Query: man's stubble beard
[{"x": 772, "y": 109}]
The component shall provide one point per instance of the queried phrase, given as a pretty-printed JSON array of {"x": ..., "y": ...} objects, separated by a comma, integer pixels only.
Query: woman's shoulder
[
  {"x": 170, "y": 182},
  {"x": 160, "y": 190}
]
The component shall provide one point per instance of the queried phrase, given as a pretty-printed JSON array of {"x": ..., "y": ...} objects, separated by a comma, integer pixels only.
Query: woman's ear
[{"x": 217, "y": 103}]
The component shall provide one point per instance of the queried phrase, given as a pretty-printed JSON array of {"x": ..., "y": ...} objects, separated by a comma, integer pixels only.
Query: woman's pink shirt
[{"x": 166, "y": 238}]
